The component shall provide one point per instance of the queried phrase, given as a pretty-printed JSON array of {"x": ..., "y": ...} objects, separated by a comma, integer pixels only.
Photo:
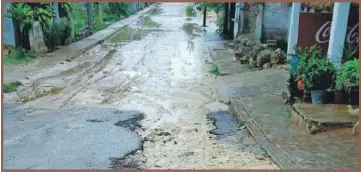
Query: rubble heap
[{"x": 246, "y": 48}]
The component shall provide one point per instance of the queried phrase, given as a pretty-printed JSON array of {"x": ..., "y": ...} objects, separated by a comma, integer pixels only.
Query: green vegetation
[
  {"x": 190, "y": 12},
  {"x": 150, "y": 23},
  {"x": 19, "y": 56},
  {"x": 214, "y": 70},
  {"x": 191, "y": 29},
  {"x": 39, "y": 94},
  {"x": 11, "y": 87},
  {"x": 348, "y": 74},
  {"x": 240, "y": 124}
]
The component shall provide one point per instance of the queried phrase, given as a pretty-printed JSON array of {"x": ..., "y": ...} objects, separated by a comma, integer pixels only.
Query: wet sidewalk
[
  {"x": 71, "y": 51},
  {"x": 255, "y": 97}
]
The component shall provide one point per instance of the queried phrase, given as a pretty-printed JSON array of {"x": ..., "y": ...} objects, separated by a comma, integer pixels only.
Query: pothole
[{"x": 131, "y": 123}]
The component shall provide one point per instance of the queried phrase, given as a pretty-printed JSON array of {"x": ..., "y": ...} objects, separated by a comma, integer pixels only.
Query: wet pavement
[
  {"x": 256, "y": 99},
  {"x": 162, "y": 74}
]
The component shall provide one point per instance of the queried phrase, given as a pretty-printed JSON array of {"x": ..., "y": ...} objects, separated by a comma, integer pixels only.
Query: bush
[
  {"x": 190, "y": 11},
  {"x": 348, "y": 74},
  {"x": 118, "y": 8},
  {"x": 11, "y": 87},
  {"x": 56, "y": 35}
]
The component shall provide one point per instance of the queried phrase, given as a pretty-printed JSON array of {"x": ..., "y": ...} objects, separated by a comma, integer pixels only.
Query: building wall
[
  {"x": 8, "y": 32},
  {"x": 276, "y": 21}
]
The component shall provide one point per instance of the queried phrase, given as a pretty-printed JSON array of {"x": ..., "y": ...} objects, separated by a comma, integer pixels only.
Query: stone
[
  {"x": 266, "y": 66},
  {"x": 263, "y": 57},
  {"x": 278, "y": 57}
]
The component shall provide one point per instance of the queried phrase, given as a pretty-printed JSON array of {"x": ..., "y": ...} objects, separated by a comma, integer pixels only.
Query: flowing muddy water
[{"x": 156, "y": 66}]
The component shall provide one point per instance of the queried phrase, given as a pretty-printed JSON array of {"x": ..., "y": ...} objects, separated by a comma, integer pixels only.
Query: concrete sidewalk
[
  {"x": 71, "y": 51},
  {"x": 255, "y": 97}
]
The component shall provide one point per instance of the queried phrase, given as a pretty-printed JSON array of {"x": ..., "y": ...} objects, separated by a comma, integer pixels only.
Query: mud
[{"x": 162, "y": 75}]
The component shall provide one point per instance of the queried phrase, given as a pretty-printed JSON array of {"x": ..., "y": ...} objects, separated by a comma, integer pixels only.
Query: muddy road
[{"x": 157, "y": 67}]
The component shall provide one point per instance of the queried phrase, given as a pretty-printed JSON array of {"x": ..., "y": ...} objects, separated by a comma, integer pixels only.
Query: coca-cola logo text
[{"x": 323, "y": 34}]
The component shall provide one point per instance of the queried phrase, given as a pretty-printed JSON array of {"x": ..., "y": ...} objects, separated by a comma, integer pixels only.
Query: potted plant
[
  {"x": 303, "y": 57},
  {"x": 319, "y": 77},
  {"x": 348, "y": 78}
]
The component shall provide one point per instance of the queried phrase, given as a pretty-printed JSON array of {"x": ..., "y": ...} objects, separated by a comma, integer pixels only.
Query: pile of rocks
[{"x": 257, "y": 54}]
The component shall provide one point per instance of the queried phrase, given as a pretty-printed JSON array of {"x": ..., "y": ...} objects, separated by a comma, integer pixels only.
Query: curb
[
  {"x": 280, "y": 157},
  {"x": 73, "y": 55}
]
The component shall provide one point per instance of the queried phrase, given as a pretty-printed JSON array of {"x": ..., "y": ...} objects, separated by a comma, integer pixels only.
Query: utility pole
[
  {"x": 204, "y": 15},
  {"x": 226, "y": 16}
]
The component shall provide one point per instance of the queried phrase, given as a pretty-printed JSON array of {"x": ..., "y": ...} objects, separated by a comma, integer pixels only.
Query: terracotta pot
[{"x": 300, "y": 85}]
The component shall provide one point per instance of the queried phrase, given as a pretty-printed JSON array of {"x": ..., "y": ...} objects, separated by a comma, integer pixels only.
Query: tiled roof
[{"x": 323, "y": 5}]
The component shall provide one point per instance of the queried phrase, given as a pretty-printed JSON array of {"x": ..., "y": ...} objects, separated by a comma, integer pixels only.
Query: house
[
  {"x": 332, "y": 31},
  {"x": 269, "y": 22}
]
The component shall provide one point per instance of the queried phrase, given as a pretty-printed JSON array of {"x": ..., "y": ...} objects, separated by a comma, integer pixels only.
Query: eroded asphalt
[{"x": 145, "y": 102}]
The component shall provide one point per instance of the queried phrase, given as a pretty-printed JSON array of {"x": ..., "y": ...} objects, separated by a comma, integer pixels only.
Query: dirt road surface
[{"x": 161, "y": 71}]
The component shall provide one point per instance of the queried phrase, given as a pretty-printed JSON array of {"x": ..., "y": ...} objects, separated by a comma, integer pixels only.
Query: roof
[{"x": 323, "y": 5}]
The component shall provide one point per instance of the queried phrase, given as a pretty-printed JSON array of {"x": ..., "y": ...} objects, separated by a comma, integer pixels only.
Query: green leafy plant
[
  {"x": 11, "y": 87},
  {"x": 56, "y": 35},
  {"x": 43, "y": 12},
  {"x": 319, "y": 75},
  {"x": 119, "y": 8},
  {"x": 23, "y": 15},
  {"x": 304, "y": 55},
  {"x": 348, "y": 52},
  {"x": 190, "y": 11},
  {"x": 68, "y": 8},
  {"x": 348, "y": 74},
  {"x": 19, "y": 56}
]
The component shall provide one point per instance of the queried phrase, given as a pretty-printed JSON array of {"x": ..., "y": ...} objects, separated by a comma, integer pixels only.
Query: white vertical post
[
  {"x": 236, "y": 20},
  {"x": 293, "y": 32},
  {"x": 338, "y": 32},
  {"x": 259, "y": 22}
]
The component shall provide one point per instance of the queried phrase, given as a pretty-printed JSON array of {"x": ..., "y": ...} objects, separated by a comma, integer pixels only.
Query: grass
[
  {"x": 240, "y": 124},
  {"x": 192, "y": 29},
  {"x": 18, "y": 56},
  {"x": 81, "y": 19},
  {"x": 150, "y": 23},
  {"x": 38, "y": 94},
  {"x": 190, "y": 12},
  {"x": 11, "y": 87},
  {"x": 214, "y": 70}
]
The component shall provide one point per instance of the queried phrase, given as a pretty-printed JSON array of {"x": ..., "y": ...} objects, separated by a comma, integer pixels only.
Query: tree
[
  {"x": 23, "y": 18},
  {"x": 90, "y": 16},
  {"x": 68, "y": 8},
  {"x": 100, "y": 7}
]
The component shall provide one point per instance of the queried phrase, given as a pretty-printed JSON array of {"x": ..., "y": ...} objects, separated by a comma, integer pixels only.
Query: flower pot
[
  {"x": 306, "y": 95},
  {"x": 318, "y": 96},
  {"x": 300, "y": 85},
  {"x": 341, "y": 97},
  {"x": 329, "y": 96},
  {"x": 354, "y": 96},
  {"x": 294, "y": 63}
]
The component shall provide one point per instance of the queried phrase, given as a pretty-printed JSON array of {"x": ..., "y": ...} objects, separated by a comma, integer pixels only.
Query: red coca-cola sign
[{"x": 315, "y": 28}]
